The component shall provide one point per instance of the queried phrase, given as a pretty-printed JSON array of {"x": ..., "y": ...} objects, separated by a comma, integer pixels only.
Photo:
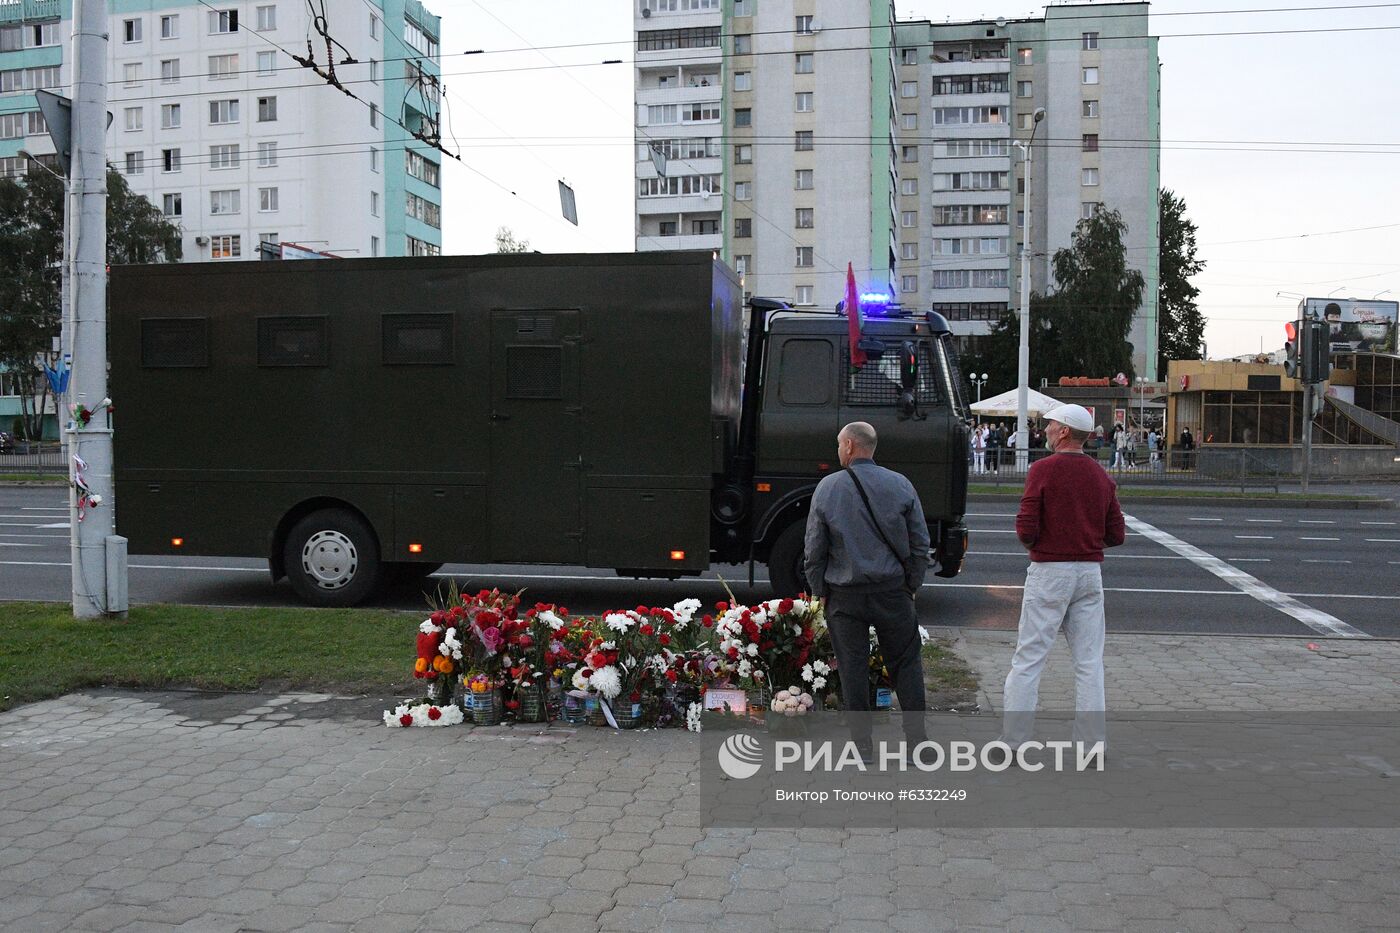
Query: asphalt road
[{"x": 1195, "y": 568}]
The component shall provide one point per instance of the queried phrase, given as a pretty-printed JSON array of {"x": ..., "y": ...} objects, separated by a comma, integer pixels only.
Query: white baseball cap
[{"x": 1072, "y": 416}]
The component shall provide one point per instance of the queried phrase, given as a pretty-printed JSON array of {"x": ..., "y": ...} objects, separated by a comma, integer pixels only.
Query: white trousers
[{"x": 1066, "y": 595}]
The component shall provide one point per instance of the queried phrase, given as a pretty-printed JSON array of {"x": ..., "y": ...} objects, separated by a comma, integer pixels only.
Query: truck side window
[
  {"x": 420, "y": 337},
  {"x": 174, "y": 343},
  {"x": 805, "y": 374},
  {"x": 293, "y": 341}
]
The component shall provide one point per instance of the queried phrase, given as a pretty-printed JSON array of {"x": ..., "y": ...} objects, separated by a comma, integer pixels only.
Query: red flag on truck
[{"x": 853, "y": 321}]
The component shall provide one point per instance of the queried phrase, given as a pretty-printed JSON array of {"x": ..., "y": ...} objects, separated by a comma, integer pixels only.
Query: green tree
[
  {"x": 31, "y": 255},
  {"x": 507, "y": 243},
  {"x": 1081, "y": 327},
  {"x": 1180, "y": 325}
]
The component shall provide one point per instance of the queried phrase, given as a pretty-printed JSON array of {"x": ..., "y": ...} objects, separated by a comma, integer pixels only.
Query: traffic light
[
  {"x": 1290, "y": 349},
  {"x": 1315, "y": 351}
]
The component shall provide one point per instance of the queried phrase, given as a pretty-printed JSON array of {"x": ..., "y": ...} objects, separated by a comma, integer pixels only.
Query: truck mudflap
[{"x": 951, "y": 549}]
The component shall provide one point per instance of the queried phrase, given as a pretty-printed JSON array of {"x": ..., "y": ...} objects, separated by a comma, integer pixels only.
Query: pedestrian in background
[
  {"x": 1069, "y": 514},
  {"x": 994, "y": 442},
  {"x": 866, "y": 553},
  {"x": 979, "y": 448}
]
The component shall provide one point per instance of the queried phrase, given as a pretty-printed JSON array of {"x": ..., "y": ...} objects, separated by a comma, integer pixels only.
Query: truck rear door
[{"x": 535, "y": 444}]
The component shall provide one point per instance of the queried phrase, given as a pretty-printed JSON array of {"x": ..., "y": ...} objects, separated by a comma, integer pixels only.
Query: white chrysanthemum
[
  {"x": 428, "y": 628},
  {"x": 607, "y": 681},
  {"x": 684, "y": 611},
  {"x": 799, "y": 605},
  {"x": 580, "y": 682},
  {"x": 692, "y": 717},
  {"x": 807, "y": 673},
  {"x": 392, "y": 718},
  {"x": 818, "y": 683},
  {"x": 618, "y": 621},
  {"x": 744, "y": 668},
  {"x": 451, "y": 646},
  {"x": 821, "y": 667},
  {"x": 752, "y": 650},
  {"x": 553, "y": 621}
]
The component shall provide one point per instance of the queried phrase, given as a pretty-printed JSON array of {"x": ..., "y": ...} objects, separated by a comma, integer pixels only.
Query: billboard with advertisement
[{"x": 1357, "y": 325}]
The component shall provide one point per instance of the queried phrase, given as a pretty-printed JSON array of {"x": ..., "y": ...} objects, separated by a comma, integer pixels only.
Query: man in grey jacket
[{"x": 869, "y": 573}]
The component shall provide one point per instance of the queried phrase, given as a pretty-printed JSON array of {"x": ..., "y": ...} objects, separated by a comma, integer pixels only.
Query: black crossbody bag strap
[{"x": 875, "y": 521}]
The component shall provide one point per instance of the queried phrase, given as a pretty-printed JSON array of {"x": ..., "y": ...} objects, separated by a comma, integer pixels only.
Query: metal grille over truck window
[
  {"x": 535, "y": 327},
  {"x": 418, "y": 338},
  {"x": 168, "y": 343},
  {"x": 535, "y": 372},
  {"x": 877, "y": 382},
  {"x": 293, "y": 341}
]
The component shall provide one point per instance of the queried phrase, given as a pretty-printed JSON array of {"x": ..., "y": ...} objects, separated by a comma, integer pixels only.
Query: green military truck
[{"x": 354, "y": 421}]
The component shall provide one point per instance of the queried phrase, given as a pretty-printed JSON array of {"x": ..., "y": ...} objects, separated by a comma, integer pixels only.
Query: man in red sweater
[{"x": 1069, "y": 514}]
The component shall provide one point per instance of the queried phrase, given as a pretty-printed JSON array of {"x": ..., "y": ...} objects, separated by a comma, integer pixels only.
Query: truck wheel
[
  {"x": 332, "y": 558},
  {"x": 785, "y": 574}
]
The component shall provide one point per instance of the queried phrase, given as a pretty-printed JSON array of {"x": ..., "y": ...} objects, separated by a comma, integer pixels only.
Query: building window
[
  {"x": 223, "y": 66},
  {"x": 222, "y": 112},
  {"x": 425, "y": 170},
  {"x": 805, "y": 218},
  {"x": 134, "y": 163},
  {"x": 1091, "y": 41},
  {"x": 909, "y": 186},
  {"x": 909, "y": 153},
  {"x": 417, "y": 247},
  {"x": 373, "y": 71},
  {"x": 224, "y": 156},
  {"x": 743, "y": 228},
  {"x": 134, "y": 118},
  {"x": 908, "y": 283},
  {"x": 909, "y": 251},
  {"x": 1087, "y": 208},
  {"x": 267, "y": 200},
  {"x": 803, "y": 26},
  {"x": 267, "y": 63},
  {"x": 805, "y": 62},
  {"x": 803, "y": 140},
  {"x": 743, "y": 81},
  {"x": 743, "y": 191},
  {"x": 704, "y": 227},
  {"x": 373, "y": 159},
  {"x": 227, "y": 201},
  {"x": 1023, "y": 89},
  {"x": 1090, "y": 76},
  {"x": 742, "y": 8},
  {"x": 267, "y": 109},
  {"x": 1025, "y": 57},
  {"x": 803, "y": 101},
  {"x": 1091, "y": 142},
  {"x": 700, "y": 113},
  {"x": 909, "y": 121},
  {"x": 1025, "y": 121},
  {"x": 131, "y": 74},
  {"x": 804, "y": 259},
  {"x": 267, "y": 155},
  {"x": 131, "y": 30},
  {"x": 170, "y": 160},
  {"x": 374, "y": 246},
  {"x": 743, "y": 44},
  {"x": 803, "y": 179},
  {"x": 909, "y": 219},
  {"x": 743, "y": 155},
  {"x": 169, "y": 116},
  {"x": 169, "y": 70},
  {"x": 743, "y": 117},
  {"x": 805, "y": 295},
  {"x": 170, "y": 26},
  {"x": 1091, "y": 108},
  {"x": 173, "y": 205},
  {"x": 226, "y": 246},
  {"x": 267, "y": 18},
  {"x": 423, "y": 209},
  {"x": 222, "y": 21},
  {"x": 909, "y": 89},
  {"x": 374, "y": 203},
  {"x": 1089, "y": 177},
  {"x": 374, "y": 115},
  {"x": 666, "y": 228},
  {"x": 909, "y": 56}
]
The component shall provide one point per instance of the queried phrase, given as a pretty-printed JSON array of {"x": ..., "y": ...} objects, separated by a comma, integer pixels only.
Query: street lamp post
[
  {"x": 979, "y": 382},
  {"x": 1023, "y": 358}
]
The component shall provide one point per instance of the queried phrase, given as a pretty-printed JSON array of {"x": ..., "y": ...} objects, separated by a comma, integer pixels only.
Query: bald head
[{"x": 856, "y": 440}]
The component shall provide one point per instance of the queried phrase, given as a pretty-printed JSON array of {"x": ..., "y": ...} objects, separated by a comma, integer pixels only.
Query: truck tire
[
  {"x": 785, "y": 575},
  {"x": 332, "y": 558}
]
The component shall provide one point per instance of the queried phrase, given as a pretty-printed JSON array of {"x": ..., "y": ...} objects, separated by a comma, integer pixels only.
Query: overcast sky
[{"x": 1253, "y": 129}]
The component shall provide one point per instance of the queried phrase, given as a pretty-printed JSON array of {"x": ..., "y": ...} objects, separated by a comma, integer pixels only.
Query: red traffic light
[{"x": 1291, "y": 329}]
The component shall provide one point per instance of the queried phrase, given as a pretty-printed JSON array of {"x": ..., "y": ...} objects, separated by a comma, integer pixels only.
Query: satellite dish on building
[
  {"x": 704, "y": 194},
  {"x": 646, "y": 13}
]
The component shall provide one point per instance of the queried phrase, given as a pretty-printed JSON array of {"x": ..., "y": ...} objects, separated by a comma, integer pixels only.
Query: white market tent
[{"x": 1004, "y": 405}]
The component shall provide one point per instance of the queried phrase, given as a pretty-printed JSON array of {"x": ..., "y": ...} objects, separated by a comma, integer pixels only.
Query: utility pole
[
  {"x": 98, "y": 555},
  {"x": 1023, "y": 356}
]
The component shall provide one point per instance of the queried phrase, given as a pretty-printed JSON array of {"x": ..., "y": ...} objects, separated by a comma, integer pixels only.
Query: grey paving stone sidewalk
[{"x": 174, "y": 811}]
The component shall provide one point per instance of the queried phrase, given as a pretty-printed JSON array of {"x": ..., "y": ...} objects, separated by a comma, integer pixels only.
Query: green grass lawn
[
  {"x": 45, "y": 652},
  {"x": 44, "y": 479}
]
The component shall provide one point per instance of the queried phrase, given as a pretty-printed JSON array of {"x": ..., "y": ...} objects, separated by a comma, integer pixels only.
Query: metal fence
[
  {"x": 1167, "y": 467},
  {"x": 24, "y": 457}
]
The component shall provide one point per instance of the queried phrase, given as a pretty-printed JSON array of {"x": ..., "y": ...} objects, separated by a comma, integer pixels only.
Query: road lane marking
[
  {"x": 1378, "y": 523},
  {"x": 1316, "y": 521},
  {"x": 12, "y": 534},
  {"x": 1266, "y": 521},
  {"x": 43, "y": 508},
  {"x": 1256, "y": 537},
  {"x": 1384, "y": 540},
  {"x": 54, "y": 525},
  {"x": 1207, "y": 519},
  {"x": 1320, "y": 561},
  {"x": 1314, "y": 619},
  {"x": 1305, "y": 538},
  {"x": 18, "y": 544}
]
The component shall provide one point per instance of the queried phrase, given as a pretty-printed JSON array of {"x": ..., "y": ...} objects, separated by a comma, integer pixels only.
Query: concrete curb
[{"x": 1246, "y": 502}]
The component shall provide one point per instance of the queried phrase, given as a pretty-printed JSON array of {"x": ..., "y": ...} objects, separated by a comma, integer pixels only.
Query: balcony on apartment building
[
  {"x": 15, "y": 11},
  {"x": 679, "y": 84}
]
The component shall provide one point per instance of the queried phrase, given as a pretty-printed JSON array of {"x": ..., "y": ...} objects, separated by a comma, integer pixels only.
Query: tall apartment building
[
  {"x": 813, "y": 137},
  {"x": 235, "y": 142}
]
